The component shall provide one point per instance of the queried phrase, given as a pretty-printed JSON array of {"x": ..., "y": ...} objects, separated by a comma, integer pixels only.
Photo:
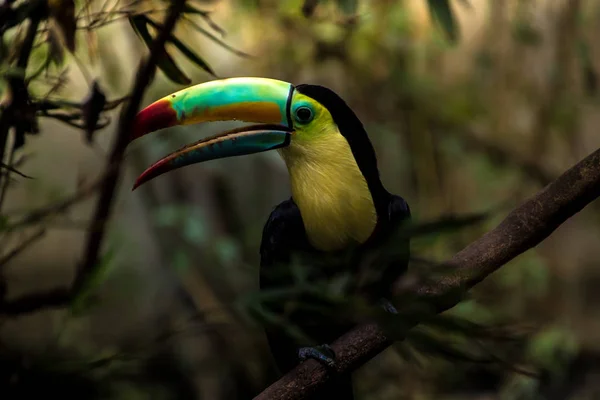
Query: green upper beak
[{"x": 259, "y": 100}]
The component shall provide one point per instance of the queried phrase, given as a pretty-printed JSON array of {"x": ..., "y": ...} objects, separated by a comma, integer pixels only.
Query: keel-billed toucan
[{"x": 338, "y": 203}]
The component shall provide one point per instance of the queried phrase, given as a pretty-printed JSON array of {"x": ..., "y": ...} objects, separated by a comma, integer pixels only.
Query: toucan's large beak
[{"x": 260, "y": 100}]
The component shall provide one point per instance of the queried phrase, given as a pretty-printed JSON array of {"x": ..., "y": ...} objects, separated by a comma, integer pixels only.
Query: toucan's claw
[
  {"x": 323, "y": 353},
  {"x": 388, "y": 306}
]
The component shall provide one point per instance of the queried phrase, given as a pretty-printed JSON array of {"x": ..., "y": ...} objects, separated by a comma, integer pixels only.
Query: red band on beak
[{"x": 156, "y": 116}]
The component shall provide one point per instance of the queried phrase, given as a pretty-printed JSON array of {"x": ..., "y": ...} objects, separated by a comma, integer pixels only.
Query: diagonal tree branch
[
  {"x": 22, "y": 246},
  {"x": 525, "y": 227},
  {"x": 28, "y": 303}
]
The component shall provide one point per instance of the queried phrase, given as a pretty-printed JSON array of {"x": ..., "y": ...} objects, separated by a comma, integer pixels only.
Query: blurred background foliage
[{"x": 472, "y": 106}]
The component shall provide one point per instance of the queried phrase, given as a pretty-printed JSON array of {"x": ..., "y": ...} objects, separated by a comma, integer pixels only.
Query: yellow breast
[{"x": 332, "y": 194}]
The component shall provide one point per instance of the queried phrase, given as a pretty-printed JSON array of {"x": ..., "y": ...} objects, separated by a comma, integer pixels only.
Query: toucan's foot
[
  {"x": 387, "y": 306},
  {"x": 323, "y": 353}
]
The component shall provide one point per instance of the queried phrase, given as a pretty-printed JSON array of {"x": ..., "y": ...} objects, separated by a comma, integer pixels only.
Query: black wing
[
  {"x": 283, "y": 235},
  {"x": 399, "y": 211},
  {"x": 387, "y": 253},
  {"x": 283, "y": 238},
  {"x": 398, "y": 214},
  {"x": 285, "y": 245}
]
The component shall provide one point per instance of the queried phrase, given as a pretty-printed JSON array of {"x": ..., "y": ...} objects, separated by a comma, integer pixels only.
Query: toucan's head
[{"x": 307, "y": 123}]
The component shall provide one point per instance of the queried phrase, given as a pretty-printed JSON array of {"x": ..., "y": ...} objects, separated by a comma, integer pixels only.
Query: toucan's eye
[{"x": 304, "y": 114}]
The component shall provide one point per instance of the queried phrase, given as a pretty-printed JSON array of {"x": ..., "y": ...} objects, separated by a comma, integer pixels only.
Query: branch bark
[{"x": 525, "y": 227}]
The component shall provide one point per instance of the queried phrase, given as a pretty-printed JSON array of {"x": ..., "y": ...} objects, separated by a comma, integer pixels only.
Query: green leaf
[
  {"x": 349, "y": 7},
  {"x": 187, "y": 9},
  {"x": 526, "y": 34},
  {"x": 12, "y": 72},
  {"x": 63, "y": 13},
  {"x": 165, "y": 62},
  {"x": 186, "y": 51},
  {"x": 215, "y": 39},
  {"x": 181, "y": 261},
  {"x": 193, "y": 57},
  {"x": 83, "y": 298},
  {"x": 3, "y": 222},
  {"x": 227, "y": 250},
  {"x": 11, "y": 169},
  {"x": 19, "y": 14},
  {"x": 205, "y": 15},
  {"x": 520, "y": 387},
  {"x": 194, "y": 229},
  {"x": 167, "y": 215},
  {"x": 553, "y": 348},
  {"x": 442, "y": 13},
  {"x": 473, "y": 311}
]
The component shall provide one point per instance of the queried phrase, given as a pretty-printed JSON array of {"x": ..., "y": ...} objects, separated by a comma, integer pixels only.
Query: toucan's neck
[
  {"x": 351, "y": 128},
  {"x": 336, "y": 204}
]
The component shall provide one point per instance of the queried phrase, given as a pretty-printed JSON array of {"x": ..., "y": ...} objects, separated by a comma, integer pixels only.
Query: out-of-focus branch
[
  {"x": 76, "y": 116},
  {"x": 13, "y": 170},
  {"x": 38, "y": 215},
  {"x": 22, "y": 246},
  {"x": 53, "y": 298},
  {"x": 104, "y": 206},
  {"x": 522, "y": 229},
  {"x": 503, "y": 156},
  {"x": 60, "y": 297},
  {"x": 561, "y": 78}
]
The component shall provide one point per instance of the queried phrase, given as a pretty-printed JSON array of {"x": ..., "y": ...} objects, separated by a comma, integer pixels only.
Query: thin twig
[
  {"x": 56, "y": 208},
  {"x": 12, "y": 169},
  {"x": 76, "y": 120},
  {"x": 525, "y": 227},
  {"x": 22, "y": 246},
  {"x": 5, "y": 175}
]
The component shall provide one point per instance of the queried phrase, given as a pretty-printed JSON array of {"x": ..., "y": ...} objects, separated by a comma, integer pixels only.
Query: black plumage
[{"x": 285, "y": 243}]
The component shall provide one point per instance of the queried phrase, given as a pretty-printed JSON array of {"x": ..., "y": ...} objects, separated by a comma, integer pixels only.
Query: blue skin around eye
[{"x": 301, "y": 104}]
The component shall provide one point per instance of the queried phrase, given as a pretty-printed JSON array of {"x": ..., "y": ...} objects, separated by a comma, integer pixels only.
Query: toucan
[{"x": 338, "y": 212}]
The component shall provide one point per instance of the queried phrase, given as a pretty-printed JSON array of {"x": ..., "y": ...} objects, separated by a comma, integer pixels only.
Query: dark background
[{"x": 472, "y": 124}]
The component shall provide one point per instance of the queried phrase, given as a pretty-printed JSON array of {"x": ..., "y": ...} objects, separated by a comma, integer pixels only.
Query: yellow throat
[{"x": 332, "y": 194}]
